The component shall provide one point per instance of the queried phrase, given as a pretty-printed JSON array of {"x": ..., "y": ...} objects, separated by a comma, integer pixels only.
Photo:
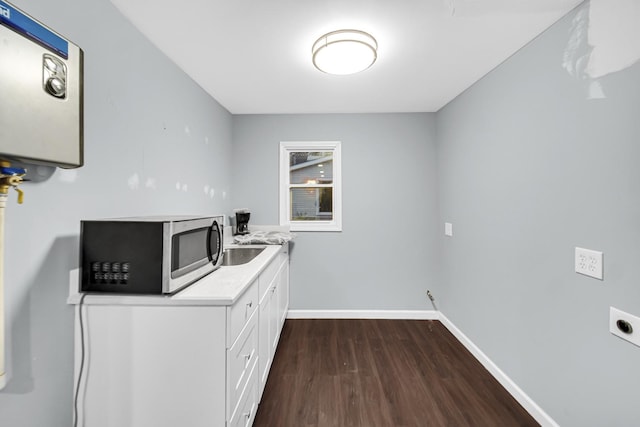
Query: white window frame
[{"x": 287, "y": 147}]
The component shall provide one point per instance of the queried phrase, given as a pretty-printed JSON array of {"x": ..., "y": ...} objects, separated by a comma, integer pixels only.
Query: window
[{"x": 310, "y": 186}]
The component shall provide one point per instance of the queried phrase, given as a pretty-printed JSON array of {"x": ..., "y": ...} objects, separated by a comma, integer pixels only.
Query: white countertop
[
  {"x": 221, "y": 287},
  {"x": 226, "y": 284}
]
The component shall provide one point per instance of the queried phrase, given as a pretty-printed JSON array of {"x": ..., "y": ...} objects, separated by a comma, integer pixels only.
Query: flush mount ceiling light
[{"x": 344, "y": 52}]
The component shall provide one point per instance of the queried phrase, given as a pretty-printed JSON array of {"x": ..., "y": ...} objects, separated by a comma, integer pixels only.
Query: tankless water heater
[{"x": 41, "y": 93}]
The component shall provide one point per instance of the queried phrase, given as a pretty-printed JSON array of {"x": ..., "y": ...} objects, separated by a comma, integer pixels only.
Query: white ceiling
[{"x": 254, "y": 56}]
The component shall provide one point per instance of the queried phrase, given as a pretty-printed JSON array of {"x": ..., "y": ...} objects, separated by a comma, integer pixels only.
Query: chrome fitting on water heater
[{"x": 11, "y": 177}]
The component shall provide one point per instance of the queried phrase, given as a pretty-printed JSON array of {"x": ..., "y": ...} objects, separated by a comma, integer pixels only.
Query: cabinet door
[
  {"x": 283, "y": 292},
  {"x": 273, "y": 306},
  {"x": 159, "y": 366},
  {"x": 274, "y": 318},
  {"x": 264, "y": 347}
]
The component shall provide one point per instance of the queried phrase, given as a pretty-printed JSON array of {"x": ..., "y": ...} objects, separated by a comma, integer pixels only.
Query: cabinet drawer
[
  {"x": 241, "y": 358},
  {"x": 240, "y": 312},
  {"x": 245, "y": 413}
]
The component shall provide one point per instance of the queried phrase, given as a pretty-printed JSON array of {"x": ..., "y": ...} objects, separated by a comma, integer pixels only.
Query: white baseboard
[
  {"x": 364, "y": 314},
  {"x": 527, "y": 403}
]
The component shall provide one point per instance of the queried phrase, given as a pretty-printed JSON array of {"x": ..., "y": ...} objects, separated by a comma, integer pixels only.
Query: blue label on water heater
[{"x": 18, "y": 21}]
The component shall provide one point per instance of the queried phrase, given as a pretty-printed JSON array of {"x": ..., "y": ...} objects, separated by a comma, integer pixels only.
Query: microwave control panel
[{"x": 105, "y": 272}]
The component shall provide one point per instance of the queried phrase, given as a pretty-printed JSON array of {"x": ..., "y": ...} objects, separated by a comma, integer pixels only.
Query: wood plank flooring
[{"x": 381, "y": 373}]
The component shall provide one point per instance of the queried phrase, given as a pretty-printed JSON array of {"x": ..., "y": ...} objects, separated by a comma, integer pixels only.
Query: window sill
[{"x": 314, "y": 227}]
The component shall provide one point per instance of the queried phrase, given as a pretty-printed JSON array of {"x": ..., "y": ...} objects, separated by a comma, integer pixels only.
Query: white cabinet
[
  {"x": 264, "y": 349},
  {"x": 283, "y": 292},
  {"x": 159, "y": 366},
  {"x": 274, "y": 301},
  {"x": 182, "y": 365},
  {"x": 248, "y": 405},
  {"x": 242, "y": 360},
  {"x": 268, "y": 316}
]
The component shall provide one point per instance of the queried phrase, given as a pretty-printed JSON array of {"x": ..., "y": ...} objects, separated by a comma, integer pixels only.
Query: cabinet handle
[
  {"x": 247, "y": 360},
  {"x": 249, "y": 304},
  {"x": 273, "y": 289},
  {"x": 247, "y": 415}
]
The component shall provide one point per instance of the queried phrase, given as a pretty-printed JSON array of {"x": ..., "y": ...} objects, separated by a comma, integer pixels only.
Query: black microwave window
[{"x": 189, "y": 251}]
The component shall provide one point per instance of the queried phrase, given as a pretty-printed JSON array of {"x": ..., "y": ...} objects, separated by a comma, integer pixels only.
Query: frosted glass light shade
[{"x": 344, "y": 52}]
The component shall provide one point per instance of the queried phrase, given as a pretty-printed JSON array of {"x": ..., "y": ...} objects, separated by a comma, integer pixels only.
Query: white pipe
[{"x": 3, "y": 376}]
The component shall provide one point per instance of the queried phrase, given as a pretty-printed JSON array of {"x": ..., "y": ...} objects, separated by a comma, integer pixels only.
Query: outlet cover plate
[
  {"x": 589, "y": 263},
  {"x": 615, "y": 315},
  {"x": 448, "y": 229}
]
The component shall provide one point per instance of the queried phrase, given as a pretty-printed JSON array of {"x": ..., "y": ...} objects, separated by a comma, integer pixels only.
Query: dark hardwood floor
[{"x": 381, "y": 373}]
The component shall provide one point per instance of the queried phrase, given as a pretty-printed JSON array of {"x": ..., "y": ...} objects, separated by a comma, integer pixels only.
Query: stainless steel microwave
[{"x": 148, "y": 255}]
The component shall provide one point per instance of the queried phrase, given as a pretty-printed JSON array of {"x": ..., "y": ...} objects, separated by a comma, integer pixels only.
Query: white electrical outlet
[
  {"x": 589, "y": 263},
  {"x": 448, "y": 229},
  {"x": 624, "y": 325}
]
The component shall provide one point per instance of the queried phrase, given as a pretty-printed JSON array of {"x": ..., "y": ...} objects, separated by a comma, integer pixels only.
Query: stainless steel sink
[{"x": 239, "y": 256}]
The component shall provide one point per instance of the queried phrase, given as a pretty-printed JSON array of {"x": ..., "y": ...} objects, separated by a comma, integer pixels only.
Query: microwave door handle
[{"x": 210, "y": 250}]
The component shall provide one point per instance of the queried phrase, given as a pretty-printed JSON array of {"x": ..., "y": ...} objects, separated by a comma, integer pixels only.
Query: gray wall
[
  {"x": 529, "y": 168},
  {"x": 389, "y": 199},
  {"x": 523, "y": 164},
  {"x": 148, "y": 127}
]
